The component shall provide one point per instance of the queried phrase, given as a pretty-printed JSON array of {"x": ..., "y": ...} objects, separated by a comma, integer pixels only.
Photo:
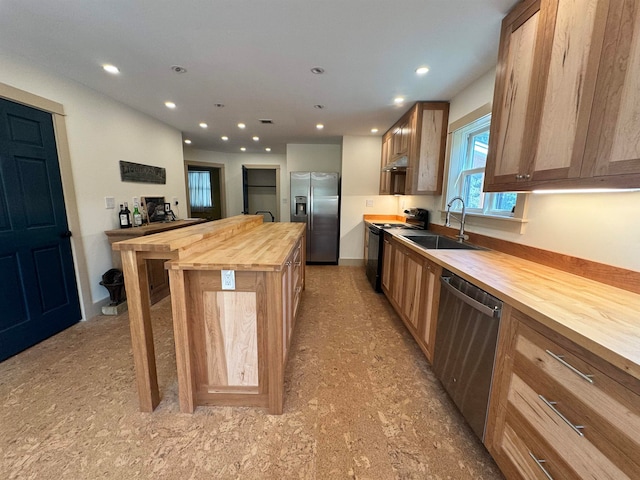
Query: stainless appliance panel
[
  {"x": 317, "y": 194},
  {"x": 300, "y": 187},
  {"x": 467, "y": 333},
  {"x": 324, "y": 229},
  {"x": 374, "y": 258}
]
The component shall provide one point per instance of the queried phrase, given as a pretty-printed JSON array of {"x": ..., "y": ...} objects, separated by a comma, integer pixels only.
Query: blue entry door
[{"x": 38, "y": 291}]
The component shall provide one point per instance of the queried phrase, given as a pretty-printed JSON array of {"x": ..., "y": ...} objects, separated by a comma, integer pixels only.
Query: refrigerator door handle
[{"x": 312, "y": 206}]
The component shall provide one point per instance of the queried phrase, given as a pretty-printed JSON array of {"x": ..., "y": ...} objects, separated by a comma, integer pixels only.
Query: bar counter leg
[
  {"x": 137, "y": 284},
  {"x": 182, "y": 337}
]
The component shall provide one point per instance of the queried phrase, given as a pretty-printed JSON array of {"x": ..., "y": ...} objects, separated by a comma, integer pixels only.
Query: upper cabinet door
[
  {"x": 512, "y": 95},
  {"x": 566, "y": 104},
  {"x": 566, "y": 83},
  {"x": 612, "y": 154},
  {"x": 427, "y": 163}
]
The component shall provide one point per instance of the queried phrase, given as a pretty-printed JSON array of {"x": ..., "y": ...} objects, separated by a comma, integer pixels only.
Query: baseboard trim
[{"x": 351, "y": 262}]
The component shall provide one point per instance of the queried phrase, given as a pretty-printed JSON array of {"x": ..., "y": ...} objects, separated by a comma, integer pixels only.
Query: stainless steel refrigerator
[{"x": 315, "y": 200}]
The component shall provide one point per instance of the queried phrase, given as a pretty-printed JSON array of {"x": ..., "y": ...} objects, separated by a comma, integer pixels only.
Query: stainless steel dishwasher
[{"x": 465, "y": 346}]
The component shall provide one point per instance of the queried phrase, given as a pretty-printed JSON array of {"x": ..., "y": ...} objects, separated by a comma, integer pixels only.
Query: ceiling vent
[{"x": 266, "y": 121}]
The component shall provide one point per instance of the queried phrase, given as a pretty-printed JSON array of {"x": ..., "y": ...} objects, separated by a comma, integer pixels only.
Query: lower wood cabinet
[
  {"x": 559, "y": 411},
  {"x": 411, "y": 284}
]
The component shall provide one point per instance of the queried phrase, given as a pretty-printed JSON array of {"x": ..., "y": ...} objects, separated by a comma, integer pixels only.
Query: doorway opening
[
  {"x": 261, "y": 191},
  {"x": 205, "y": 190}
]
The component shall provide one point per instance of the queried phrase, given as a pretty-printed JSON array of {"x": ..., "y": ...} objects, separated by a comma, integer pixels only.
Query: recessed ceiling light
[
  {"x": 170, "y": 104},
  {"x": 398, "y": 100},
  {"x": 241, "y": 125},
  {"x": 374, "y": 130},
  {"x": 319, "y": 126},
  {"x": 111, "y": 69},
  {"x": 256, "y": 139},
  {"x": 203, "y": 125},
  {"x": 243, "y": 149},
  {"x": 224, "y": 138},
  {"x": 422, "y": 70},
  {"x": 268, "y": 149},
  {"x": 317, "y": 70},
  {"x": 187, "y": 141}
]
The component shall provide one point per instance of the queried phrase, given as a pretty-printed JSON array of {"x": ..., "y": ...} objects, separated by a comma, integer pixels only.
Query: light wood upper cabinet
[
  {"x": 512, "y": 94},
  {"x": 426, "y": 164},
  {"x": 385, "y": 177},
  {"x": 559, "y": 117},
  {"x": 420, "y": 135},
  {"x": 613, "y": 140}
]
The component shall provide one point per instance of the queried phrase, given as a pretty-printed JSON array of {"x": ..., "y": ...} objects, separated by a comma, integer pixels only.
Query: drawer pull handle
[
  {"x": 551, "y": 405},
  {"x": 560, "y": 358},
  {"x": 539, "y": 462}
]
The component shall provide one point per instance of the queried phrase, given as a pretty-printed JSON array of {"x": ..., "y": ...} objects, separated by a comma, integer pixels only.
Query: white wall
[
  {"x": 601, "y": 227},
  {"x": 100, "y": 133},
  {"x": 233, "y": 175},
  {"x": 314, "y": 158},
  {"x": 360, "y": 182}
]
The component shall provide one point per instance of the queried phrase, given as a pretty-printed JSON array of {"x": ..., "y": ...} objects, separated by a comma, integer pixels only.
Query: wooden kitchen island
[
  {"x": 234, "y": 309},
  {"x": 233, "y": 243}
]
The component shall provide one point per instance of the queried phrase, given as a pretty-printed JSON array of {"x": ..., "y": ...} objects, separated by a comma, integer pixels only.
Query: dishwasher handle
[{"x": 481, "y": 307}]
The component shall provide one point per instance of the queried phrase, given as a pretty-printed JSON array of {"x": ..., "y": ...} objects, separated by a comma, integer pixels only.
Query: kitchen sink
[{"x": 438, "y": 242}]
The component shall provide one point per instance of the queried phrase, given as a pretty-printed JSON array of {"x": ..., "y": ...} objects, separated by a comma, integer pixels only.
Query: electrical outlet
[
  {"x": 109, "y": 203},
  {"x": 369, "y": 203},
  {"x": 228, "y": 278}
]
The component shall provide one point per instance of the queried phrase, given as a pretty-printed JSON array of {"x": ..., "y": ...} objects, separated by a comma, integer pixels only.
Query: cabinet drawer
[
  {"x": 527, "y": 457},
  {"x": 576, "y": 406}
]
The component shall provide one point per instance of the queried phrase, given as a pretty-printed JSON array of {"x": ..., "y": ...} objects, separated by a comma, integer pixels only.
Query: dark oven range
[{"x": 417, "y": 219}]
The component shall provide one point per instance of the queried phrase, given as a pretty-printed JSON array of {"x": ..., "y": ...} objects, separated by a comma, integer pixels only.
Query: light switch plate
[
  {"x": 369, "y": 203},
  {"x": 228, "y": 278}
]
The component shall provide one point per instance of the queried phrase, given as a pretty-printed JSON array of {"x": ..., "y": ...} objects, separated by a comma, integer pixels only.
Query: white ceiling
[{"x": 255, "y": 56}]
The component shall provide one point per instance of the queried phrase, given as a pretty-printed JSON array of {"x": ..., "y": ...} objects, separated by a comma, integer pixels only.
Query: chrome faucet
[{"x": 461, "y": 236}]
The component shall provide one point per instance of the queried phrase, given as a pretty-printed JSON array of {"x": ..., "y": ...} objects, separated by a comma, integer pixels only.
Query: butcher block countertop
[
  {"x": 184, "y": 237},
  {"x": 263, "y": 248},
  {"x": 601, "y": 318}
]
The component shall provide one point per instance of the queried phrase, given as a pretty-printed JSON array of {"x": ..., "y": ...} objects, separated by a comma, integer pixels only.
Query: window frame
[{"x": 488, "y": 216}]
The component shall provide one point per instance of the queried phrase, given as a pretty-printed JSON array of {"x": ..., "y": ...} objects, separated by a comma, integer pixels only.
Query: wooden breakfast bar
[{"x": 221, "y": 236}]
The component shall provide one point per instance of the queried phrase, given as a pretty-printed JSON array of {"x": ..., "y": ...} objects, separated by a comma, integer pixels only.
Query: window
[
  {"x": 200, "y": 190},
  {"x": 469, "y": 146}
]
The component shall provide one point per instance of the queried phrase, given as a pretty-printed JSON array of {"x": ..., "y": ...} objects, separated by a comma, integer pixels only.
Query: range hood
[{"x": 399, "y": 165}]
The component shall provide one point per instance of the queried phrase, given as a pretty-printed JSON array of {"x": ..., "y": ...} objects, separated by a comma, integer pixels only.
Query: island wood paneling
[{"x": 230, "y": 339}]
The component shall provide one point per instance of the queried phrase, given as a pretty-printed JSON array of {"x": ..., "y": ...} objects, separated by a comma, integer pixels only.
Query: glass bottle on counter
[
  {"x": 125, "y": 216},
  {"x": 137, "y": 216}
]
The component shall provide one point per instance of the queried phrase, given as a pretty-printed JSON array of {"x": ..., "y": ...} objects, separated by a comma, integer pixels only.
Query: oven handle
[{"x": 481, "y": 307}]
